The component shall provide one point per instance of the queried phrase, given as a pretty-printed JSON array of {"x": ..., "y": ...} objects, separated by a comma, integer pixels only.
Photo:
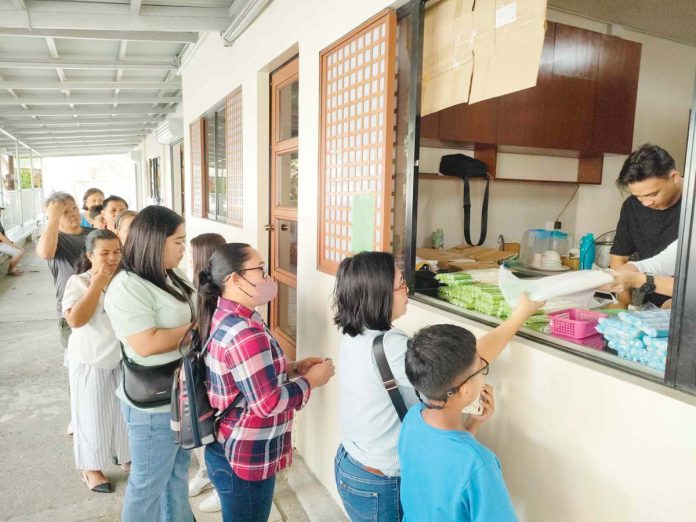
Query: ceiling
[
  {"x": 672, "y": 19},
  {"x": 95, "y": 76}
]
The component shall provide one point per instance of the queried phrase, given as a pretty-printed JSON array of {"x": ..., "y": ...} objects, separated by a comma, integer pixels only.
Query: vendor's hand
[
  {"x": 667, "y": 304},
  {"x": 526, "y": 307},
  {"x": 54, "y": 210},
  {"x": 304, "y": 365},
  {"x": 624, "y": 280},
  {"x": 321, "y": 373}
]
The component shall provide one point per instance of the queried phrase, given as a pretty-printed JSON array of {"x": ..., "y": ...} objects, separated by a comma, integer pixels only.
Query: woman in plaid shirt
[{"x": 254, "y": 441}]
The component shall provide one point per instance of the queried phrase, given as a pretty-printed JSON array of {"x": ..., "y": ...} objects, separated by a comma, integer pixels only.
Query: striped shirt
[{"x": 243, "y": 357}]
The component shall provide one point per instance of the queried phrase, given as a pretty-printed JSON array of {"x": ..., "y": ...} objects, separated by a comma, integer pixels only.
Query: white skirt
[{"x": 99, "y": 430}]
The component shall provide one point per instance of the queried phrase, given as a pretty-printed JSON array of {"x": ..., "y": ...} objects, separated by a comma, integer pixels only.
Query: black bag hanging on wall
[{"x": 466, "y": 167}]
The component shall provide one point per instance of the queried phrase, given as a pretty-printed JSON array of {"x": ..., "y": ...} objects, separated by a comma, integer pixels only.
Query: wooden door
[{"x": 283, "y": 224}]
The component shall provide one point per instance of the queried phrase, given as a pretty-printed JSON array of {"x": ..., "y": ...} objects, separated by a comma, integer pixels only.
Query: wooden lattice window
[
  {"x": 233, "y": 146},
  {"x": 198, "y": 168},
  {"x": 357, "y": 140}
]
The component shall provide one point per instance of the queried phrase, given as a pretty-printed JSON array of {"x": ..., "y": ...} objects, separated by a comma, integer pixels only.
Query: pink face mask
[{"x": 265, "y": 291}]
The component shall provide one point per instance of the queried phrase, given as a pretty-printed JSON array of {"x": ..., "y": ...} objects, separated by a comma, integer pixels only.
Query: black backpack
[{"x": 193, "y": 420}]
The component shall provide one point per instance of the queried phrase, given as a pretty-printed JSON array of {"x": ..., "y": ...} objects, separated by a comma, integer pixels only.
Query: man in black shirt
[
  {"x": 649, "y": 219},
  {"x": 62, "y": 244}
]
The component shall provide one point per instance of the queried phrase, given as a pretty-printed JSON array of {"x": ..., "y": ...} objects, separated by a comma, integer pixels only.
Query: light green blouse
[{"x": 134, "y": 305}]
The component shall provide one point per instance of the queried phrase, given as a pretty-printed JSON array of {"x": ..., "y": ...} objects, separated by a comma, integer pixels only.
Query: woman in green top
[{"x": 147, "y": 303}]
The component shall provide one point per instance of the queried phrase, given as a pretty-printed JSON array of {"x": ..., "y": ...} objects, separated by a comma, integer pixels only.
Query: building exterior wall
[{"x": 577, "y": 441}]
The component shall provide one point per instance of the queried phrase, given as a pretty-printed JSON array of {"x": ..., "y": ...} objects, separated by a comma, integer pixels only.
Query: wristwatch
[
  {"x": 649, "y": 285},
  {"x": 638, "y": 294}
]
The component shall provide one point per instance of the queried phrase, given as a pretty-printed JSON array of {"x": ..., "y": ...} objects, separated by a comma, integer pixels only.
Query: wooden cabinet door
[
  {"x": 617, "y": 91},
  {"x": 475, "y": 123}
]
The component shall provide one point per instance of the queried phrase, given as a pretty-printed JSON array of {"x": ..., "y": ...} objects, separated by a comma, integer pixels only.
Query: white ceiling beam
[
  {"x": 44, "y": 85},
  {"x": 83, "y": 145},
  {"x": 55, "y": 14},
  {"x": 77, "y": 131},
  {"x": 87, "y": 111},
  {"x": 135, "y": 7},
  {"x": 83, "y": 152},
  {"x": 82, "y": 34},
  {"x": 86, "y": 100},
  {"x": 97, "y": 137},
  {"x": 22, "y": 122},
  {"x": 83, "y": 63}
]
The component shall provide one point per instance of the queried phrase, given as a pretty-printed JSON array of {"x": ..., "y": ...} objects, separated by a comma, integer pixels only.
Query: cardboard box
[
  {"x": 508, "y": 40},
  {"x": 475, "y": 50},
  {"x": 448, "y": 58}
]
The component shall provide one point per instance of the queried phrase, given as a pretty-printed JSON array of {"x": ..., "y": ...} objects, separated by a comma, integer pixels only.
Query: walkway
[{"x": 38, "y": 480}]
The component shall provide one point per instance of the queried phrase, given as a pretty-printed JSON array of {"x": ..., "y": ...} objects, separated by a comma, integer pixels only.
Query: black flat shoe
[{"x": 104, "y": 487}]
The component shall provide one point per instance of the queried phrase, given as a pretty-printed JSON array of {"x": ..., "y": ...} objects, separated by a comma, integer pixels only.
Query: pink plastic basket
[{"x": 575, "y": 323}]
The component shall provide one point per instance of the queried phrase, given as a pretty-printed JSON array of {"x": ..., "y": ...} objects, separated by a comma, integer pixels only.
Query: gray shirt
[{"x": 64, "y": 263}]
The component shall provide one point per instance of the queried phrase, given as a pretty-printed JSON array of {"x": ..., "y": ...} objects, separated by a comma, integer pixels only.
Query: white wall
[
  {"x": 665, "y": 94},
  {"x": 577, "y": 442}
]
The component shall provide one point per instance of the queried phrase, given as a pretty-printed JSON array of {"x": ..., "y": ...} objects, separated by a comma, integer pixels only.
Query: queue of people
[{"x": 406, "y": 451}]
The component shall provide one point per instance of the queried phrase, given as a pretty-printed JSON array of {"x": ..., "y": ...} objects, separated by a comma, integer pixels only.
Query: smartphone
[{"x": 475, "y": 408}]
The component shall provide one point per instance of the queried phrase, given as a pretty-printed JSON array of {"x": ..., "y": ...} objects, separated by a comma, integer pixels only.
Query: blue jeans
[
  {"x": 158, "y": 480},
  {"x": 241, "y": 500},
  {"x": 366, "y": 496}
]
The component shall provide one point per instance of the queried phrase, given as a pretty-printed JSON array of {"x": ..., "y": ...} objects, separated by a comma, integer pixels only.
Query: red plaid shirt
[{"x": 243, "y": 357}]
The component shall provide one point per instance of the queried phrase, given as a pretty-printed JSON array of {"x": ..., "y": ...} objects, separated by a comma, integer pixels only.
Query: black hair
[
  {"x": 202, "y": 247},
  {"x": 111, "y": 198},
  {"x": 95, "y": 211},
  {"x": 649, "y": 161},
  {"x": 364, "y": 292},
  {"x": 90, "y": 244},
  {"x": 226, "y": 260},
  {"x": 122, "y": 216},
  {"x": 437, "y": 356},
  {"x": 88, "y": 193},
  {"x": 144, "y": 252}
]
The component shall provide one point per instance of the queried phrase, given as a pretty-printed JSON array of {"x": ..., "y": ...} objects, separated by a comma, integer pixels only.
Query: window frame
[
  {"x": 680, "y": 372},
  {"x": 213, "y": 114}
]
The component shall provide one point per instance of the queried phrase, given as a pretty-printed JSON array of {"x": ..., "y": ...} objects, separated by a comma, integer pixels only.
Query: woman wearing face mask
[
  {"x": 149, "y": 304},
  {"x": 93, "y": 363},
  {"x": 370, "y": 294},
  {"x": 246, "y": 364}
]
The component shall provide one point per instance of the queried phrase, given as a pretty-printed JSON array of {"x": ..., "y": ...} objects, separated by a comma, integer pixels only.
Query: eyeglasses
[
  {"x": 401, "y": 286},
  {"x": 483, "y": 371},
  {"x": 263, "y": 268}
]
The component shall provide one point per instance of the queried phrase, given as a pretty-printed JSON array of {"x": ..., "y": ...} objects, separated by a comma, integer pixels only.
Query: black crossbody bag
[
  {"x": 150, "y": 386},
  {"x": 387, "y": 376}
]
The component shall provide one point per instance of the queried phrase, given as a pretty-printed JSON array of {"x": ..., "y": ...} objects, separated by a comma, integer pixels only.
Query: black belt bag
[
  {"x": 147, "y": 386},
  {"x": 151, "y": 386}
]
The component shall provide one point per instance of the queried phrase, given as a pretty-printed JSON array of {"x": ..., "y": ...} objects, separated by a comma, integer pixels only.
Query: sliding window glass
[{"x": 217, "y": 164}]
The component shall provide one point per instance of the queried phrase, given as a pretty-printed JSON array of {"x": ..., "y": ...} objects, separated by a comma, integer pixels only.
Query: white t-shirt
[
  {"x": 94, "y": 343},
  {"x": 135, "y": 305},
  {"x": 662, "y": 264},
  {"x": 370, "y": 425}
]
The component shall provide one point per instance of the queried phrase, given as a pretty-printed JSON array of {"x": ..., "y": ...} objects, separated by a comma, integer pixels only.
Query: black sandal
[{"x": 104, "y": 487}]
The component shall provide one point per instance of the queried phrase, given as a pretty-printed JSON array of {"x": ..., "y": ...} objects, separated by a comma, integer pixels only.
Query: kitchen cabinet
[{"x": 584, "y": 101}]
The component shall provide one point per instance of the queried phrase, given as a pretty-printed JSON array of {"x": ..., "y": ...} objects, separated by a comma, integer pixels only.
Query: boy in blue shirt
[{"x": 446, "y": 474}]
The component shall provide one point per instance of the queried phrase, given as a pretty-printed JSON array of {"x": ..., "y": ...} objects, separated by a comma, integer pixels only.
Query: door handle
[
  {"x": 269, "y": 228},
  {"x": 283, "y": 227}
]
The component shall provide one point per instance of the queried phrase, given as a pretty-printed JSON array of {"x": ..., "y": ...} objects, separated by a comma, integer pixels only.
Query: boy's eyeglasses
[
  {"x": 483, "y": 370},
  {"x": 401, "y": 286},
  {"x": 264, "y": 270}
]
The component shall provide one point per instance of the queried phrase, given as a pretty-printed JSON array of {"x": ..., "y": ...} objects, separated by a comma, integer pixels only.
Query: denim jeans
[
  {"x": 241, "y": 500},
  {"x": 366, "y": 496},
  {"x": 158, "y": 480}
]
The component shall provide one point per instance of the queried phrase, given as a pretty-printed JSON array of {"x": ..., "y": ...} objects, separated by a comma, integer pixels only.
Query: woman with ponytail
[
  {"x": 99, "y": 431},
  {"x": 202, "y": 247},
  {"x": 254, "y": 441}
]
